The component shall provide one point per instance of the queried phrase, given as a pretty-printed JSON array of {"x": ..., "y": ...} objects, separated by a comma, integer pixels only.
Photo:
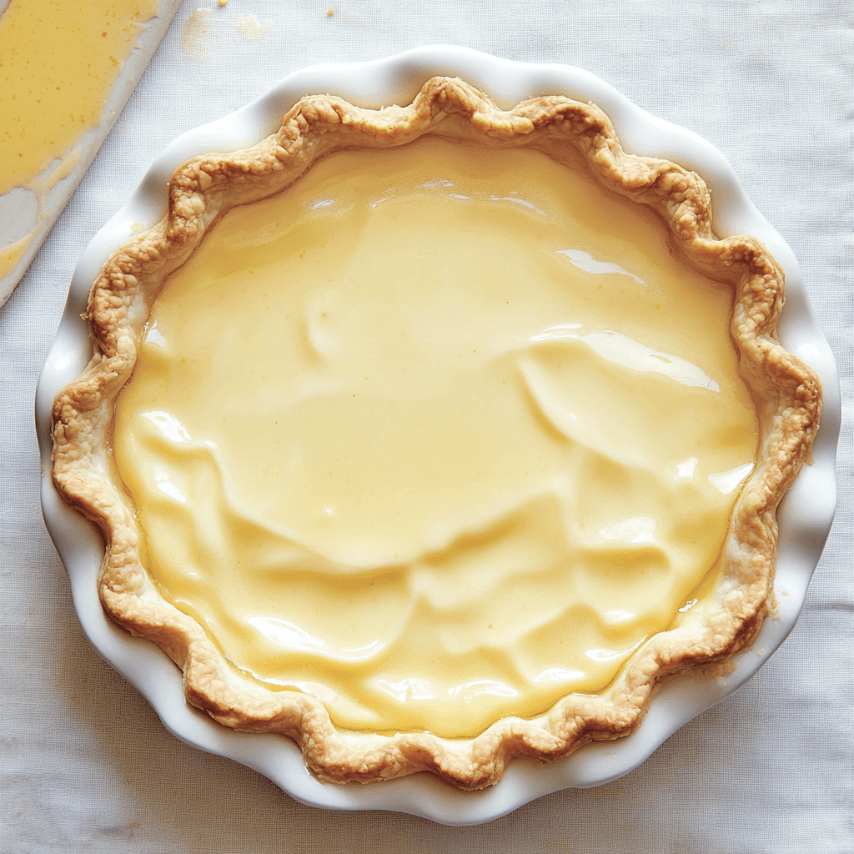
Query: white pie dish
[{"x": 805, "y": 516}]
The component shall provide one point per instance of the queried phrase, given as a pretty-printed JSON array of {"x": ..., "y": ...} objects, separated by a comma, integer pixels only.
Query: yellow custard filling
[
  {"x": 58, "y": 62},
  {"x": 438, "y": 435}
]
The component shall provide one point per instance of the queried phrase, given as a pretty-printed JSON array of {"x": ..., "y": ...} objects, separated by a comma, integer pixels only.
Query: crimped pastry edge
[{"x": 787, "y": 393}]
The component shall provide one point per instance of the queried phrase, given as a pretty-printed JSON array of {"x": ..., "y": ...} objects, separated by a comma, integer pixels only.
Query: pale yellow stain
[
  {"x": 195, "y": 39},
  {"x": 250, "y": 29}
]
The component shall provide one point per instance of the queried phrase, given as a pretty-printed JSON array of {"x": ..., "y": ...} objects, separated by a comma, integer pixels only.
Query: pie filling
[{"x": 440, "y": 434}]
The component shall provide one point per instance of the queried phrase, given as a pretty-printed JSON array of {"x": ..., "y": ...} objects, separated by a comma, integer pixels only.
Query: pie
[{"x": 436, "y": 435}]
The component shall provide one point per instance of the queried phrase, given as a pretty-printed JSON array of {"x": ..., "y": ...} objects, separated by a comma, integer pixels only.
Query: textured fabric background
[{"x": 87, "y": 767}]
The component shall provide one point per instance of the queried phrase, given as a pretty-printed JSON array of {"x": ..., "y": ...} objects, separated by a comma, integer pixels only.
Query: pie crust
[{"x": 787, "y": 395}]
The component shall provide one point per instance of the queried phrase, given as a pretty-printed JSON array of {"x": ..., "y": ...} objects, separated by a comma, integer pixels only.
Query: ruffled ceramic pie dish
[{"x": 706, "y": 634}]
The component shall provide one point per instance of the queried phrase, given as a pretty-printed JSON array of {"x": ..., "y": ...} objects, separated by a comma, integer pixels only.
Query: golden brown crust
[{"x": 787, "y": 393}]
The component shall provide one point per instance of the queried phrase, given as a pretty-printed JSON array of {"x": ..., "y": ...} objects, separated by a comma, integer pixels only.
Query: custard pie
[{"x": 436, "y": 435}]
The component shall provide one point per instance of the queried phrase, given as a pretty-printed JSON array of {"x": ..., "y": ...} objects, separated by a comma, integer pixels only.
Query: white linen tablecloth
[{"x": 86, "y": 765}]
